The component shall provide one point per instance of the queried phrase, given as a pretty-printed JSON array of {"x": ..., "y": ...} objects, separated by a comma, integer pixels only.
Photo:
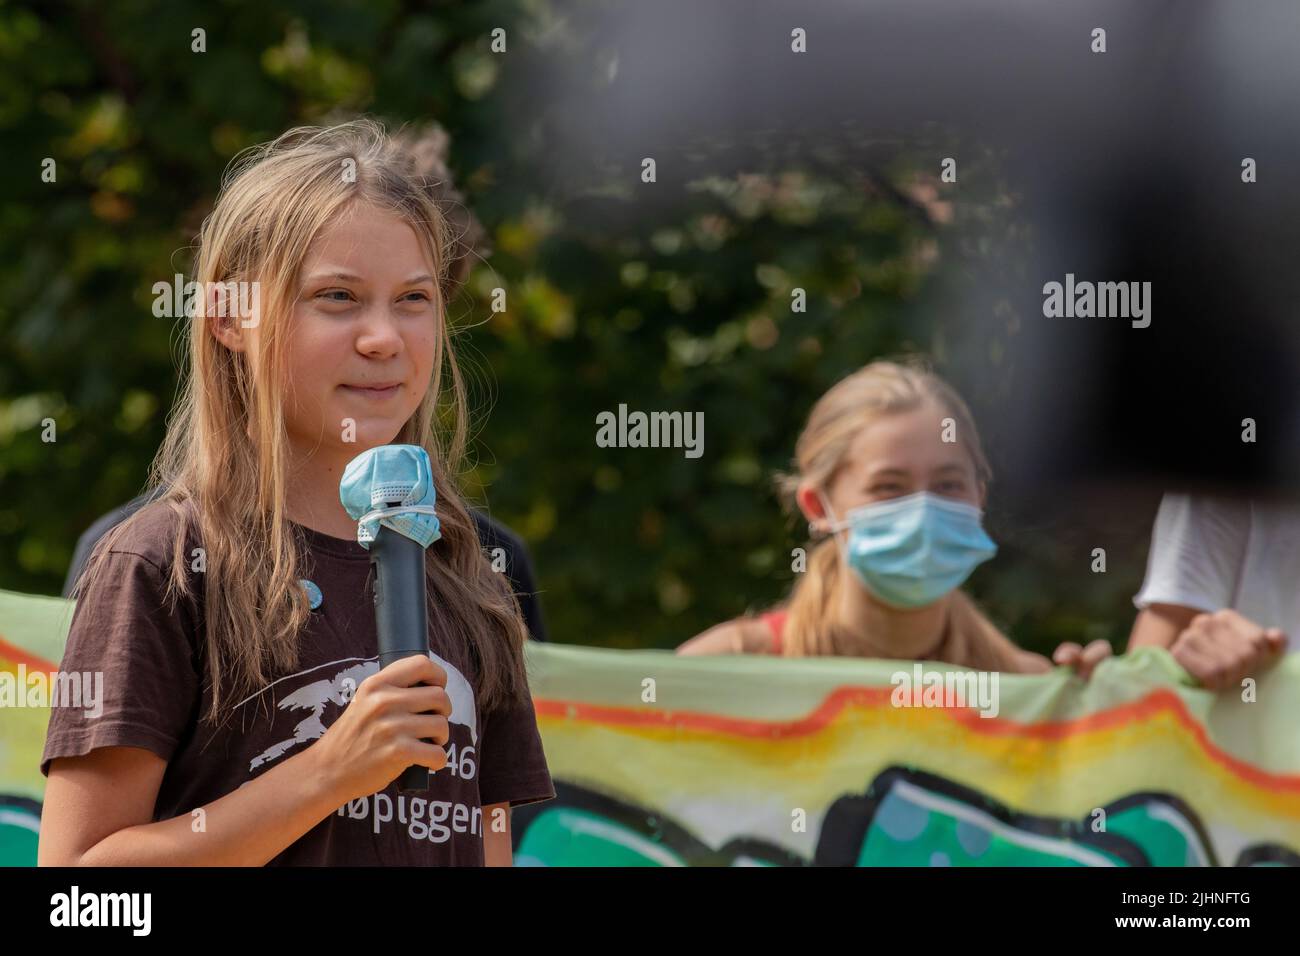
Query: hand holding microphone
[{"x": 395, "y": 723}]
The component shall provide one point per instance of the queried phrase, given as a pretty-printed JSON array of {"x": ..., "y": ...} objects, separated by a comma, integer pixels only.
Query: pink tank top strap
[{"x": 775, "y": 620}]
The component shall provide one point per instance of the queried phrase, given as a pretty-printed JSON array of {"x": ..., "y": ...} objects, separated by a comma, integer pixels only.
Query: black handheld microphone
[
  {"x": 382, "y": 484},
  {"x": 401, "y": 613}
]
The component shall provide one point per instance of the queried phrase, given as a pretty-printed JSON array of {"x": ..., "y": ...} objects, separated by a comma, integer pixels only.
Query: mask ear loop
[
  {"x": 380, "y": 513},
  {"x": 833, "y": 524}
]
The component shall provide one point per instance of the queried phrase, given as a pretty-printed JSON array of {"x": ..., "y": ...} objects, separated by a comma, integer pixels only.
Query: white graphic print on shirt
[{"x": 322, "y": 697}]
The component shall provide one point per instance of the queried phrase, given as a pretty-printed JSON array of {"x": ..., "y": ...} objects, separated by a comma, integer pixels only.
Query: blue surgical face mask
[
  {"x": 391, "y": 485},
  {"x": 911, "y": 551}
]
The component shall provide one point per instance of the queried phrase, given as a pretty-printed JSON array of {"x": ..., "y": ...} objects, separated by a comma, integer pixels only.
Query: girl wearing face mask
[{"x": 898, "y": 510}]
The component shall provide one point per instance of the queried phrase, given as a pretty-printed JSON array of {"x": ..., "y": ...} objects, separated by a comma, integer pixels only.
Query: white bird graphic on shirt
[{"x": 338, "y": 690}]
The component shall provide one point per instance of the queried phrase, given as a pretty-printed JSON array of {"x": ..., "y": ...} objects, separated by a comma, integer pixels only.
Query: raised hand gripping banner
[{"x": 669, "y": 761}]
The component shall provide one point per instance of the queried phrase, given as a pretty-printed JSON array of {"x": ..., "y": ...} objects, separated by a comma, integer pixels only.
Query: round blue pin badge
[{"x": 313, "y": 593}]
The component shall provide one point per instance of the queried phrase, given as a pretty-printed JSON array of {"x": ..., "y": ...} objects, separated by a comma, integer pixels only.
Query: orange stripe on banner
[
  {"x": 843, "y": 697},
  {"x": 20, "y": 656}
]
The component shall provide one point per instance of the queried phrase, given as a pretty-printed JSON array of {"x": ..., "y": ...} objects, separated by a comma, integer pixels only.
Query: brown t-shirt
[{"x": 155, "y": 690}]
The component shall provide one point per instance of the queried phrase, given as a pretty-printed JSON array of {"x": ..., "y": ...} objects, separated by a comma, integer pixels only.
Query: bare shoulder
[{"x": 743, "y": 635}]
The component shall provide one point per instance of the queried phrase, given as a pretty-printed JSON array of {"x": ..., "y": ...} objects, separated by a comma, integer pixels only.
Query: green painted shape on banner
[
  {"x": 916, "y": 827},
  {"x": 1152, "y": 827},
  {"x": 18, "y": 836},
  {"x": 568, "y": 837}
]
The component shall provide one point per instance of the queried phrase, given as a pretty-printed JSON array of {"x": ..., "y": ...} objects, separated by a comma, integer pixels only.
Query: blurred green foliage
[{"x": 676, "y": 299}]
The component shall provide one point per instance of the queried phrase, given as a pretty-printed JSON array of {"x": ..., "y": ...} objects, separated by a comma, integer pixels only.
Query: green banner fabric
[{"x": 661, "y": 760}]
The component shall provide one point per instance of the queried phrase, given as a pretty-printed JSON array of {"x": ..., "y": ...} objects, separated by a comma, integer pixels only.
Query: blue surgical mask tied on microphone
[
  {"x": 392, "y": 486},
  {"x": 911, "y": 551}
]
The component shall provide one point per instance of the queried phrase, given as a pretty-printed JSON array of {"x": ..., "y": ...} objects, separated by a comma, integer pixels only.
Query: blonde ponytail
[{"x": 807, "y": 624}]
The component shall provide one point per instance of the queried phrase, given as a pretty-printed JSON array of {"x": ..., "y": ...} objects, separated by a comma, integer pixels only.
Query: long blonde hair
[
  {"x": 223, "y": 462},
  {"x": 879, "y": 389}
]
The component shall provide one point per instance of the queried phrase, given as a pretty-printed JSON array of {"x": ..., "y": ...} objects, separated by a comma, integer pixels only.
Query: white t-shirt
[{"x": 1214, "y": 553}]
